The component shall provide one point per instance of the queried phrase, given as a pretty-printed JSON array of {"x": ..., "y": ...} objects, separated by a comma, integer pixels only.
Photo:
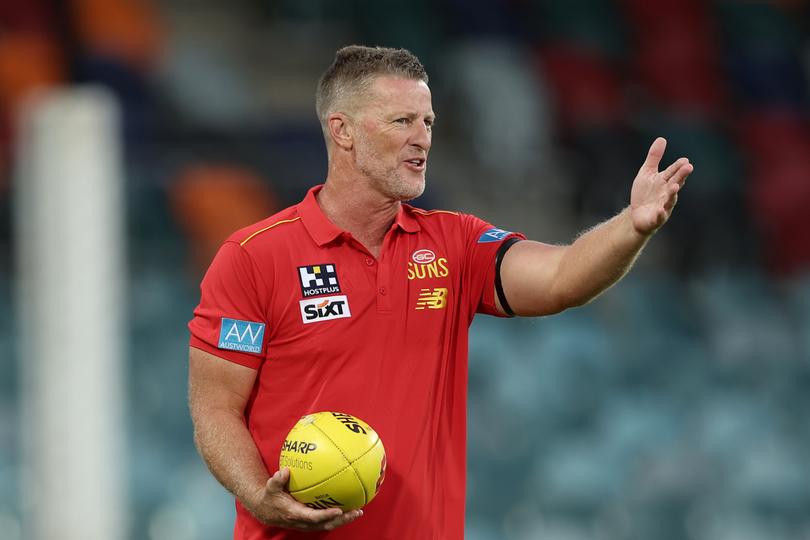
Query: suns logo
[
  {"x": 425, "y": 265},
  {"x": 423, "y": 256}
]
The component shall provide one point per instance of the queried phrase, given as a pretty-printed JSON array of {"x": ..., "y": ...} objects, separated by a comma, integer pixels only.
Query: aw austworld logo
[
  {"x": 244, "y": 336},
  {"x": 493, "y": 235}
]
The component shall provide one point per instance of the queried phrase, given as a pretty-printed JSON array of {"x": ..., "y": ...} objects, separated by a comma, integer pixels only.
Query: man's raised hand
[{"x": 654, "y": 193}]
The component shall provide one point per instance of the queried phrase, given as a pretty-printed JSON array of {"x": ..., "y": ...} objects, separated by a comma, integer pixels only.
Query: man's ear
[{"x": 341, "y": 130}]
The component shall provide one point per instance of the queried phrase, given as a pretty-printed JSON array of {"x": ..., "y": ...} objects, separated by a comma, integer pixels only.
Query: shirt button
[
  {"x": 383, "y": 291},
  {"x": 369, "y": 261}
]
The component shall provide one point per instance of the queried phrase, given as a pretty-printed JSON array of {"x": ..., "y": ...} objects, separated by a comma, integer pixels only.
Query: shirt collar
[
  {"x": 317, "y": 224},
  {"x": 405, "y": 219},
  {"x": 324, "y": 231}
]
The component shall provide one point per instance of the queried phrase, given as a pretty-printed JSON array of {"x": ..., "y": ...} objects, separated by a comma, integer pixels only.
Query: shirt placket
[
  {"x": 384, "y": 292},
  {"x": 378, "y": 274},
  {"x": 383, "y": 284}
]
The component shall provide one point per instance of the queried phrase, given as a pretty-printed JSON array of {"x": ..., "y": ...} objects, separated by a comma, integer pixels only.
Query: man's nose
[{"x": 422, "y": 136}]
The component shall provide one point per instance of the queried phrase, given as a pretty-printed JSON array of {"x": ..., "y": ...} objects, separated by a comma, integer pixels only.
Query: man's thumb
[{"x": 279, "y": 480}]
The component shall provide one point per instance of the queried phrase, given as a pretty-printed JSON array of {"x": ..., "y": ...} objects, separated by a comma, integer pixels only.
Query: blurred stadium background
[{"x": 674, "y": 407}]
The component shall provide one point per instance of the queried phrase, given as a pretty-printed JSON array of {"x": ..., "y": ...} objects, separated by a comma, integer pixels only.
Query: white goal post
[{"x": 69, "y": 234}]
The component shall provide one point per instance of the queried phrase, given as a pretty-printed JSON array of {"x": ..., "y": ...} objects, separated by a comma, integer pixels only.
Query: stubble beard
[{"x": 387, "y": 180}]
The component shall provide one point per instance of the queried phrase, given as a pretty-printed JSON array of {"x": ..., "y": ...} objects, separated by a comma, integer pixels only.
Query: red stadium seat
[
  {"x": 778, "y": 145},
  {"x": 676, "y": 55},
  {"x": 586, "y": 87}
]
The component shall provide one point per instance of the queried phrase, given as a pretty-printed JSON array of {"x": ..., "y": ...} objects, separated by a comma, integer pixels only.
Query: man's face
[{"x": 393, "y": 136}]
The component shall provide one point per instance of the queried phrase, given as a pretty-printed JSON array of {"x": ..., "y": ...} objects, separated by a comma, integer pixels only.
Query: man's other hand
[{"x": 275, "y": 506}]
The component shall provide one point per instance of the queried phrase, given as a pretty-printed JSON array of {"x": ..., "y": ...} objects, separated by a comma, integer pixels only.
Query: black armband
[{"x": 498, "y": 287}]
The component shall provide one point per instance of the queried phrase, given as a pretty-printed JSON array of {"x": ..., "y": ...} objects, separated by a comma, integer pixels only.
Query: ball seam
[
  {"x": 350, "y": 462},
  {"x": 373, "y": 446}
]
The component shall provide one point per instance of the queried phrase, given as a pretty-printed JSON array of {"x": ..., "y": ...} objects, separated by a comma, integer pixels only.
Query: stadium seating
[{"x": 673, "y": 407}]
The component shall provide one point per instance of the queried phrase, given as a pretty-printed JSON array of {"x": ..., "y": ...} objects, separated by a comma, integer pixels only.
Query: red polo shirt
[{"x": 329, "y": 327}]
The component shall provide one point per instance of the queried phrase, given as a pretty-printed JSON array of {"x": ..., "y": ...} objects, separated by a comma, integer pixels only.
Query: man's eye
[{"x": 402, "y": 121}]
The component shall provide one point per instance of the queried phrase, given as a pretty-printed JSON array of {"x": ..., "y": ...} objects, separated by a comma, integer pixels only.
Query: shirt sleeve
[
  {"x": 230, "y": 322},
  {"x": 482, "y": 241}
]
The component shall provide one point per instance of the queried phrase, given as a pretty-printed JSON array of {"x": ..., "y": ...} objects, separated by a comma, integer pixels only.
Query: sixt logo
[
  {"x": 324, "y": 309},
  {"x": 244, "y": 336},
  {"x": 432, "y": 299},
  {"x": 423, "y": 256}
]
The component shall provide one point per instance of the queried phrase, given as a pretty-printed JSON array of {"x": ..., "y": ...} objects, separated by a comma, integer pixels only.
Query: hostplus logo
[{"x": 318, "y": 279}]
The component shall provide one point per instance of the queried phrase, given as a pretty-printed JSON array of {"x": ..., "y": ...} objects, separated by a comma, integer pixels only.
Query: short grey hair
[{"x": 355, "y": 68}]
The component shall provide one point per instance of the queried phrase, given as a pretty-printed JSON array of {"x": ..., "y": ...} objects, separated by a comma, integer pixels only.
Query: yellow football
[{"x": 335, "y": 459}]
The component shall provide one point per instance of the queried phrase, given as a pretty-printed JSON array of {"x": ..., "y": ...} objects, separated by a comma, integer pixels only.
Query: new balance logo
[
  {"x": 244, "y": 336},
  {"x": 432, "y": 298}
]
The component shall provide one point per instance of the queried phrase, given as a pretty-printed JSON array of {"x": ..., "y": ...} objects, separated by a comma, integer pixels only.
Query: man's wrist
[
  {"x": 634, "y": 233},
  {"x": 251, "y": 496}
]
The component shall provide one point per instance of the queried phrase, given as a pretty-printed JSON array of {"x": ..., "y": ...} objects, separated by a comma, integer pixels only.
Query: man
[{"x": 396, "y": 289}]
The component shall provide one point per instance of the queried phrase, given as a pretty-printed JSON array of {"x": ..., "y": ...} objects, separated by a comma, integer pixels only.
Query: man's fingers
[
  {"x": 670, "y": 171},
  {"x": 310, "y": 515},
  {"x": 681, "y": 174},
  {"x": 343, "y": 519},
  {"x": 294, "y": 510},
  {"x": 670, "y": 204},
  {"x": 673, "y": 187},
  {"x": 324, "y": 519},
  {"x": 655, "y": 154},
  {"x": 288, "y": 512}
]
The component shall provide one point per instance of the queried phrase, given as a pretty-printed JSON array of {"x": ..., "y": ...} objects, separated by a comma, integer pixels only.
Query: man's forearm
[
  {"x": 230, "y": 453},
  {"x": 597, "y": 259}
]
